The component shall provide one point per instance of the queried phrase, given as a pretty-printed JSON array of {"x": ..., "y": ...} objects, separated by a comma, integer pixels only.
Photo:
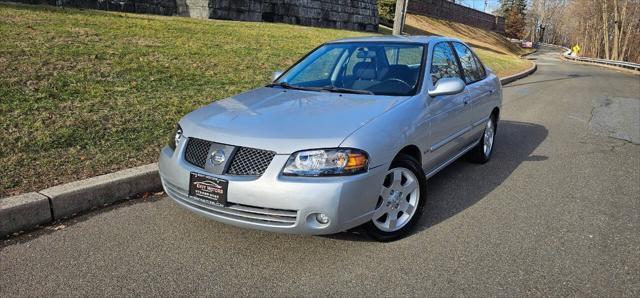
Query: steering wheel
[{"x": 409, "y": 87}]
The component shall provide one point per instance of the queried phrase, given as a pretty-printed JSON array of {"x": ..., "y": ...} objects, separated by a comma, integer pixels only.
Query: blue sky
[{"x": 479, "y": 4}]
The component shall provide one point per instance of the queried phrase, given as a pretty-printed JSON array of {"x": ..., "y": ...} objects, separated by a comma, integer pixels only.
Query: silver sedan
[{"x": 347, "y": 137}]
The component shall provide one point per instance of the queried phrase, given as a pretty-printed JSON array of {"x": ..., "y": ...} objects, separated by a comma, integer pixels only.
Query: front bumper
[{"x": 277, "y": 203}]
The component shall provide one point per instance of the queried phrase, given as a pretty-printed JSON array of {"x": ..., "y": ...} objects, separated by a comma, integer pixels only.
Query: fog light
[{"x": 322, "y": 218}]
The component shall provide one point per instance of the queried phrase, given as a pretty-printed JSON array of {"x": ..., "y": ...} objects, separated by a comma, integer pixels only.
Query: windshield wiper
[
  {"x": 330, "y": 89},
  {"x": 347, "y": 90},
  {"x": 287, "y": 86}
]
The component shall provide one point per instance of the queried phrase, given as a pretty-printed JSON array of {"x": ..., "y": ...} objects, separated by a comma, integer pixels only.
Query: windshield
[{"x": 359, "y": 67}]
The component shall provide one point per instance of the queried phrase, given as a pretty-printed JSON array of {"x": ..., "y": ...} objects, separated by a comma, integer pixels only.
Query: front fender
[{"x": 386, "y": 135}]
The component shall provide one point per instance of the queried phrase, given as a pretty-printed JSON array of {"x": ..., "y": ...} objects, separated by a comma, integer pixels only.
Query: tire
[
  {"x": 481, "y": 153},
  {"x": 400, "y": 198}
]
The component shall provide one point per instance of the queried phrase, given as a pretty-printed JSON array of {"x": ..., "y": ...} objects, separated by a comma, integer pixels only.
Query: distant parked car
[{"x": 346, "y": 137}]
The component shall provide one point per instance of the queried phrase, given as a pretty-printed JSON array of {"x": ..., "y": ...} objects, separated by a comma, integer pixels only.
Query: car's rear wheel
[
  {"x": 482, "y": 152},
  {"x": 400, "y": 202}
]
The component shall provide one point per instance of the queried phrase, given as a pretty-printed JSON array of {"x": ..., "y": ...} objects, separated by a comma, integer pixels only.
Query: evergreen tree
[
  {"x": 505, "y": 7},
  {"x": 514, "y": 12},
  {"x": 514, "y": 24}
]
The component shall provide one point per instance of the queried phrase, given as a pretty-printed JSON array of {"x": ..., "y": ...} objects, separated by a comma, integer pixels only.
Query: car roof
[{"x": 424, "y": 39}]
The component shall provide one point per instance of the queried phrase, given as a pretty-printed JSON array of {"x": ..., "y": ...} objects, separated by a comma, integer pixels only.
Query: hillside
[
  {"x": 494, "y": 49},
  {"x": 85, "y": 92}
]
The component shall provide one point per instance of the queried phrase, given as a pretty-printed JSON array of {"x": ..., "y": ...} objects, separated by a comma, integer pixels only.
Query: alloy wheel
[
  {"x": 398, "y": 200},
  {"x": 489, "y": 132}
]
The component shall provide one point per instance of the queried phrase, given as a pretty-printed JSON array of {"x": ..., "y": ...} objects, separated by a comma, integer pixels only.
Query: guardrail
[{"x": 622, "y": 64}]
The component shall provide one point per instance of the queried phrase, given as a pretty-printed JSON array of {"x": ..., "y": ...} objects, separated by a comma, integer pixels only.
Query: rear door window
[{"x": 481, "y": 70}]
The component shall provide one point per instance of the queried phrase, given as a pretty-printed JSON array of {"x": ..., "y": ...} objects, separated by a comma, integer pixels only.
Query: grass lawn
[{"x": 84, "y": 93}]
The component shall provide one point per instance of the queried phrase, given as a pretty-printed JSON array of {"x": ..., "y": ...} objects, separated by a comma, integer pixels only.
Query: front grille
[
  {"x": 250, "y": 162},
  {"x": 196, "y": 152},
  {"x": 238, "y": 212},
  {"x": 245, "y": 162}
]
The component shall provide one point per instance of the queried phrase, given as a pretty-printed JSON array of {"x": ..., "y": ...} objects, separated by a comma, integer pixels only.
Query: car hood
[{"x": 285, "y": 120}]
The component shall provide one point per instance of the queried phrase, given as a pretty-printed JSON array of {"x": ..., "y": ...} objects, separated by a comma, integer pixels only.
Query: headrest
[
  {"x": 362, "y": 54},
  {"x": 364, "y": 70}
]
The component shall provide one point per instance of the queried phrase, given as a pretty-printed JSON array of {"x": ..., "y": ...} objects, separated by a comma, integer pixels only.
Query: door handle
[{"x": 487, "y": 93}]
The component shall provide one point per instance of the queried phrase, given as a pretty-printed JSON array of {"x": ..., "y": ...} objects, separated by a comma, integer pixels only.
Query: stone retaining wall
[
  {"x": 457, "y": 13},
  {"x": 160, "y": 7},
  {"x": 361, "y": 15}
]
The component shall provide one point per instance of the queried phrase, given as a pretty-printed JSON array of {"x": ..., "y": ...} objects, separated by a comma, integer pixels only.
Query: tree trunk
[
  {"x": 623, "y": 24},
  {"x": 533, "y": 32},
  {"x": 630, "y": 24},
  {"x": 616, "y": 31},
  {"x": 586, "y": 45},
  {"x": 605, "y": 27}
]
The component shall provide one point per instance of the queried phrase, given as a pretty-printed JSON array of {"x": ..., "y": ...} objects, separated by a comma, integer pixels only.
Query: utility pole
[{"x": 398, "y": 20}]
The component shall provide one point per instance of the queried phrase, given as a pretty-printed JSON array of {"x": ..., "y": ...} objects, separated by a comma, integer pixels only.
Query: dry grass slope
[{"x": 494, "y": 49}]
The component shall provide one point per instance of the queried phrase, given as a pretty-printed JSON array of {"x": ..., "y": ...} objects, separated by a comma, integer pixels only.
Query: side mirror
[
  {"x": 276, "y": 74},
  {"x": 447, "y": 86}
]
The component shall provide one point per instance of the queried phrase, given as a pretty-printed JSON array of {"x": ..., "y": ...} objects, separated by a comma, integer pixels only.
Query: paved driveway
[{"x": 556, "y": 212}]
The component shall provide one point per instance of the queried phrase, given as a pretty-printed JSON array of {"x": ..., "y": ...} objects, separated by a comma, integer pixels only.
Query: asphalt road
[{"x": 555, "y": 212}]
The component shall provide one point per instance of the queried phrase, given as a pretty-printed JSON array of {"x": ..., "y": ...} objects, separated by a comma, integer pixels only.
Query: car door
[
  {"x": 483, "y": 104},
  {"x": 474, "y": 76},
  {"x": 446, "y": 121}
]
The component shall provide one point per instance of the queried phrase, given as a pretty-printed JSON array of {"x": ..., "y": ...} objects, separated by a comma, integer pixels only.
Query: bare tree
[
  {"x": 603, "y": 28},
  {"x": 541, "y": 13}
]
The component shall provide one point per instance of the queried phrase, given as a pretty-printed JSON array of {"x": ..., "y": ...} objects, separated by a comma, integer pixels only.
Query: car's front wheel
[{"x": 401, "y": 200}]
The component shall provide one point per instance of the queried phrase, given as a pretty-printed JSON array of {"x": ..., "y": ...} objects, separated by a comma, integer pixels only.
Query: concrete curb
[
  {"x": 520, "y": 75},
  {"x": 68, "y": 199},
  {"x": 527, "y": 54},
  {"x": 22, "y": 212},
  {"x": 26, "y": 211}
]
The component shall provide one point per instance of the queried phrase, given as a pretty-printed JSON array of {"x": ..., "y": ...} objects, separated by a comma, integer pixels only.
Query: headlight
[
  {"x": 175, "y": 138},
  {"x": 327, "y": 162}
]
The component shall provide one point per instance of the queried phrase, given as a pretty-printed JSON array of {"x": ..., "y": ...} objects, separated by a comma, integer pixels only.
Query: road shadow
[
  {"x": 568, "y": 77},
  {"x": 462, "y": 184}
]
